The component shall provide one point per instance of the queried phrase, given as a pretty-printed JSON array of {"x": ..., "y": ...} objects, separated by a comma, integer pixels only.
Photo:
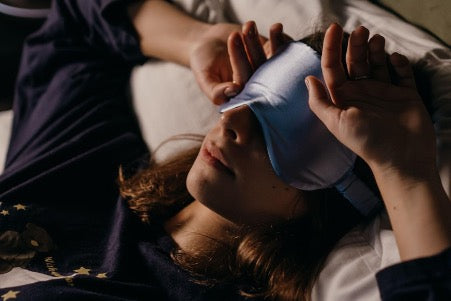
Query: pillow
[{"x": 168, "y": 103}]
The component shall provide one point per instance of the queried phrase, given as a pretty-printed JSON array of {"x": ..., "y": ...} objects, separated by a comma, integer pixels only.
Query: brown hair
[{"x": 276, "y": 261}]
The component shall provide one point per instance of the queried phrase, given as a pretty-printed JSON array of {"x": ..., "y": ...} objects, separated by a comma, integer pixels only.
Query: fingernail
[
  {"x": 252, "y": 30},
  {"x": 361, "y": 27},
  {"x": 237, "y": 40},
  {"x": 230, "y": 92},
  {"x": 307, "y": 83},
  {"x": 399, "y": 55}
]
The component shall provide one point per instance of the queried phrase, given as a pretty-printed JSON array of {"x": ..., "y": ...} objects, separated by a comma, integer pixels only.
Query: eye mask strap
[{"x": 358, "y": 194}]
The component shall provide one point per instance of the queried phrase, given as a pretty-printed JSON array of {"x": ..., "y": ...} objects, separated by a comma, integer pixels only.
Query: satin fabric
[{"x": 302, "y": 151}]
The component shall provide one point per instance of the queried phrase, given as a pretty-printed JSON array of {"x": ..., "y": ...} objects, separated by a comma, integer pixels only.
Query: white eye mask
[{"x": 303, "y": 153}]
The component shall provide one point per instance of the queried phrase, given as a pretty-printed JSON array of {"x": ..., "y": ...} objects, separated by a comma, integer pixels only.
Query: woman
[
  {"x": 67, "y": 145},
  {"x": 352, "y": 121}
]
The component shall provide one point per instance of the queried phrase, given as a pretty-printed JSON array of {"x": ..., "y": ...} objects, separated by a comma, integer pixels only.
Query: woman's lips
[{"x": 212, "y": 155}]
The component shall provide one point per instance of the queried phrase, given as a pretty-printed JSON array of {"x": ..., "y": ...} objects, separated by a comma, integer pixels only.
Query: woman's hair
[{"x": 278, "y": 260}]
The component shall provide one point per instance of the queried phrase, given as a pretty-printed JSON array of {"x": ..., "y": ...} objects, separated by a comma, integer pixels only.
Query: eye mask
[{"x": 303, "y": 153}]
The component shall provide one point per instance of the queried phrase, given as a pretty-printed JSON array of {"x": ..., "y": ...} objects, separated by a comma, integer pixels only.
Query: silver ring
[{"x": 361, "y": 77}]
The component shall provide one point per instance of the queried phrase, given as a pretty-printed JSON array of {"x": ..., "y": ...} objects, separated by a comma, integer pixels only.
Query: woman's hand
[
  {"x": 169, "y": 34},
  {"x": 385, "y": 123},
  {"x": 226, "y": 55}
]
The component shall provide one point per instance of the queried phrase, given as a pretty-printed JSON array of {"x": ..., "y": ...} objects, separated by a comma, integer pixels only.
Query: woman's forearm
[
  {"x": 165, "y": 32},
  {"x": 419, "y": 210}
]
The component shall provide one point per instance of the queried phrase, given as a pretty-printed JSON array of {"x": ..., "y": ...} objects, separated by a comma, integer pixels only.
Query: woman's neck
[{"x": 196, "y": 226}]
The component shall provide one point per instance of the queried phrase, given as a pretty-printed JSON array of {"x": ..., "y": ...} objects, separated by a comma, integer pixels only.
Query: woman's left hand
[
  {"x": 385, "y": 123},
  {"x": 227, "y": 55}
]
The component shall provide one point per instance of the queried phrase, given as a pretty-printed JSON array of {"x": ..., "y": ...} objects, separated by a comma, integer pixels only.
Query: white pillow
[{"x": 168, "y": 102}]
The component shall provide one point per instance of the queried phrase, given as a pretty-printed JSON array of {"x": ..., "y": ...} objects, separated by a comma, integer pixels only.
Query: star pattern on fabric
[
  {"x": 4, "y": 212},
  {"x": 102, "y": 275},
  {"x": 10, "y": 295},
  {"x": 20, "y": 207},
  {"x": 34, "y": 243},
  {"x": 82, "y": 271}
]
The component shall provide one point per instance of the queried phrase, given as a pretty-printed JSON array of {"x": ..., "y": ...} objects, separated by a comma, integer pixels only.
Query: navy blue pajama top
[{"x": 60, "y": 210}]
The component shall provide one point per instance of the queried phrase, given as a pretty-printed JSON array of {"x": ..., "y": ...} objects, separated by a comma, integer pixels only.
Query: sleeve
[
  {"x": 420, "y": 279},
  {"x": 71, "y": 98}
]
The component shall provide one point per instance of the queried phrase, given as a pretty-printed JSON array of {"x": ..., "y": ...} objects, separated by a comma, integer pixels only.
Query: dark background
[{"x": 13, "y": 31}]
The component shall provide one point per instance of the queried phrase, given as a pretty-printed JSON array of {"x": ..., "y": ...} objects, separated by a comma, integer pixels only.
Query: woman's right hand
[{"x": 226, "y": 55}]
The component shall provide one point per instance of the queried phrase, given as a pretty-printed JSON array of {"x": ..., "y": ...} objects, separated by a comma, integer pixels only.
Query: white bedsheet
[
  {"x": 164, "y": 111},
  {"x": 6, "y": 118}
]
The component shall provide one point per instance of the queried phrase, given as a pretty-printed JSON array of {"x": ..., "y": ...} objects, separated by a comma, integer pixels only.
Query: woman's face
[{"x": 232, "y": 174}]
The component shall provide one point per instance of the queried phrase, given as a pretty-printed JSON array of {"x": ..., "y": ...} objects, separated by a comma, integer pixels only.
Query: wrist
[
  {"x": 209, "y": 35},
  {"x": 194, "y": 35},
  {"x": 419, "y": 210},
  {"x": 398, "y": 185},
  {"x": 405, "y": 177}
]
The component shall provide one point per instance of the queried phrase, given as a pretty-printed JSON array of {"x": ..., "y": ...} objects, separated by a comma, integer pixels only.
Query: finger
[
  {"x": 403, "y": 70},
  {"x": 222, "y": 92},
  {"x": 276, "y": 38},
  {"x": 262, "y": 39},
  {"x": 357, "y": 53},
  {"x": 378, "y": 59},
  {"x": 241, "y": 67},
  {"x": 216, "y": 90},
  {"x": 333, "y": 70},
  {"x": 321, "y": 105},
  {"x": 254, "y": 48}
]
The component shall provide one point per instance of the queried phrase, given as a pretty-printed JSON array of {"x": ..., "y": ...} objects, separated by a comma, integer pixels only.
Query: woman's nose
[{"x": 239, "y": 124}]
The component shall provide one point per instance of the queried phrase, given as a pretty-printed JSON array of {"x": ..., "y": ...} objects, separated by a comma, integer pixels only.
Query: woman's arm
[
  {"x": 169, "y": 34},
  {"x": 387, "y": 125},
  {"x": 419, "y": 210}
]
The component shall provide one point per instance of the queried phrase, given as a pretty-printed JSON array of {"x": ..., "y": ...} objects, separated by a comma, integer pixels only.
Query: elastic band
[{"x": 358, "y": 194}]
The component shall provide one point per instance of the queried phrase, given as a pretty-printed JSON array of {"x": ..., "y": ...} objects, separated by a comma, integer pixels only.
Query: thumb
[
  {"x": 218, "y": 92},
  {"x": 221, "y": 92},
  {"x": 321, "y": 104}
]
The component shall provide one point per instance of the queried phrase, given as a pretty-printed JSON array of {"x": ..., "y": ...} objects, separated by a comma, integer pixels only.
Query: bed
[{"x": 164, "y": 113}]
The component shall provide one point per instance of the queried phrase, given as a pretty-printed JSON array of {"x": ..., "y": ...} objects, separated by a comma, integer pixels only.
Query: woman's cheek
[
  {"x": 217, "y": 194},
  {"x": 195, "y": 181}
]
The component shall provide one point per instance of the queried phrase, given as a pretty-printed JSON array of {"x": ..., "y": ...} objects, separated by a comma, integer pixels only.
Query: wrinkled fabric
[
  {"x": 61, "y": 214},
  {"x": 421, "y": 279}
]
